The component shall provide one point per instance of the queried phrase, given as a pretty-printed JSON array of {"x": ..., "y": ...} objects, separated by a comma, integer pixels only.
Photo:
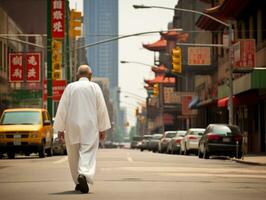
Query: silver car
[
  {"x": 154, "y": 142},
  {"x": 174, "y": 144},
  {"x": 190, "y": 142}
]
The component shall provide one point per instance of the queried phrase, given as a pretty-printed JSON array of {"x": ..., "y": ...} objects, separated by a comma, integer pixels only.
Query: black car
[
  {"x": 136, "y": 142},
  {"x": 221, "y": 139}
]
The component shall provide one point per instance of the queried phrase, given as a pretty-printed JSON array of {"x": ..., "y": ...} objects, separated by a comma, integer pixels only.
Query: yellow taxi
[{"x": 26, "y": 130}]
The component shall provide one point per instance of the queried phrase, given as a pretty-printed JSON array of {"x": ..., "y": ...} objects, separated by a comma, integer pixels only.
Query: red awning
[
  {"x": 224, "y": 101},
  {"x": 160, "y": 45},
  {"x": 159, "y": 69},
  {"x": 160, "y": 79}
]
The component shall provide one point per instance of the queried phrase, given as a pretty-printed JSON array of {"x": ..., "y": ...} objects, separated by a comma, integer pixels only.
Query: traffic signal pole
[{"x": 49, "y": 60}]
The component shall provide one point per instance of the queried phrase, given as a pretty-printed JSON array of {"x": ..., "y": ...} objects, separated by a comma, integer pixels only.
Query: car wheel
[
  {"x": 181, "y": 152},
  {"x": 11, "y": 155},
  {"x": 141, "y": 149},
  {"x": 206, "y": 154},
  {"x": 200, "y": 155},
  {"x": 50, "y": 150},
  {"x": 42, "y": 150}
]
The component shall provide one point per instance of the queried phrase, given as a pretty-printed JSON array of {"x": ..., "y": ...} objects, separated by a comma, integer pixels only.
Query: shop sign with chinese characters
[
  {"x": 58, "y": 22},
  {"x": 199, "y": 56},
  {"x": 58, "y": 89},
  {"x": 245, "y": 53},
  {"x": 17, "y": 62},
  {"x": 16, "y": 68},
  {"x": 33, "y": 63}
]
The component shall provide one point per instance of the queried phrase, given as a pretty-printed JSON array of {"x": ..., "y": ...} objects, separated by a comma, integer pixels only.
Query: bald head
[{"x": 84, "y": 71}]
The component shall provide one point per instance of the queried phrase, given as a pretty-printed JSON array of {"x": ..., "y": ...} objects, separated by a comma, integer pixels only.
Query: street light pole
[
  {"x": 124, "y": 36},
  {"x": 139, "y": 63},
  {"x": 230, "y": 32}
]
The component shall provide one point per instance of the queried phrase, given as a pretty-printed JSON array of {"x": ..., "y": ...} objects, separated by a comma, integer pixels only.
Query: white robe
[{"x": 82, "y": 112}]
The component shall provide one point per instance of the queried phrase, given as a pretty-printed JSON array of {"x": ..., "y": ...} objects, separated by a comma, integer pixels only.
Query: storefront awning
[{"x": 224, "y": 101}]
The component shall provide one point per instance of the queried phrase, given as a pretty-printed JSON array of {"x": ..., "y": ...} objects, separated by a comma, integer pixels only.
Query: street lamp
[{"x": 230, "y": 31}]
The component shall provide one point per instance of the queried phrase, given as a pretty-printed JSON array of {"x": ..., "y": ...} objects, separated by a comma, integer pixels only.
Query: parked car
[
  {"x": 136, "y": 142},
  {"x": 174, "y": 144},
  {"x": 163, "y": 144},
  {"x": 190, "y": 142},
  {"x": 221, "y": 139},
  {"x": 154, "y": 142},
  {"x": 145, "y": 142},
  {"x": 26, "y": 130},
  {"x": 59, "y": 145}
]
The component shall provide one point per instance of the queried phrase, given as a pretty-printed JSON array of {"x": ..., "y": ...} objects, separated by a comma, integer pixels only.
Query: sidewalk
[{"x": 253, "y": 159}]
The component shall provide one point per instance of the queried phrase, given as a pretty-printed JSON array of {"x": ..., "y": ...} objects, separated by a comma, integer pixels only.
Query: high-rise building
[{"x": 100, "y": 23}]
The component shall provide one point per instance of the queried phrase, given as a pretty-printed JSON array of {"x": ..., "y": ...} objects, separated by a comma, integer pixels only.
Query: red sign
[
  {"x": 33, "y": 67},
  {"x": 244, "y": 53},
  {"x": 185, "y": 105},
  {"x": 199, "y": 56},
  {"x": 58, "y": 89},
  {"x": 16, "y": 69},
  {"x": 57, "y": 15}
]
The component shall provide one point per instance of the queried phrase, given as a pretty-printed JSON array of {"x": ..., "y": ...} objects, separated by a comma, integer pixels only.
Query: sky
[{"x": 131, "y": 76}]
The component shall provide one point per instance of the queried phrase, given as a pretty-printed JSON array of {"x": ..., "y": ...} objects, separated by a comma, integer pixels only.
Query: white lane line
[
  {"x": 129, "y": 158},
  {"x": 64, "y": 159}
]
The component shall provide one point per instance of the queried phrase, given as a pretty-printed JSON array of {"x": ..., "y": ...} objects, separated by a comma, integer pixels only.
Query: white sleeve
[
  {"x": 61, "y": 114},
  {"x": 102, "y": 112}
]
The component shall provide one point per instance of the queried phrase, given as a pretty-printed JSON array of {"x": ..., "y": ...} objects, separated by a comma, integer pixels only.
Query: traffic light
[
  {"x": 156, "y": 89},
  {"x": 75, "y": 23},
  {"x": 176, "y": 60}
]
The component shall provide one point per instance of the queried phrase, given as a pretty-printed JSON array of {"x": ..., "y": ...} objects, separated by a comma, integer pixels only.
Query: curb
[{"x": 248, "y": 162}]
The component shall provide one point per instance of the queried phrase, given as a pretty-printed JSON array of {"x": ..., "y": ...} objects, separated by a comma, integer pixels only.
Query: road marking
[
  {"x": 64, "y": 159},
  {"x": 129, "y": 158}
]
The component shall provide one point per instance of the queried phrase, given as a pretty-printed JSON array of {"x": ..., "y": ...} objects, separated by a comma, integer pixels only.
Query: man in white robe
[{"x": 83, "y": 116}]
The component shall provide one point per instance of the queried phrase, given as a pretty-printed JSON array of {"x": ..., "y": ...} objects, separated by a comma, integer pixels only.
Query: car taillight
[
  {"x": 212, "y": 136},
  {"x": 238, "y": 138},
  {"x": 178, "y": 141},
  {"x": 192, "y": 137}
]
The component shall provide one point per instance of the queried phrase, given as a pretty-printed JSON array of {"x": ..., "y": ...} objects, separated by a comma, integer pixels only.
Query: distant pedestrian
[{"x": 83, "y": 115}]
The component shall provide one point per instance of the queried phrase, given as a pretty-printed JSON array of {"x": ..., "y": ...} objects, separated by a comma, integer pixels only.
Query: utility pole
[{"x": 49, "y": 60}]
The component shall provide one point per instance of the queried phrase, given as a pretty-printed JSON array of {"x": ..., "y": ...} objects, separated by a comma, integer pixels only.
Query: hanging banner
[
  {"x": 57, "y": 15},
  {"x": 56, "y": 59},
  {"x": 33, "y": 67},
  {"x": 16, "y": 68},
  {"x": 245, "y": 53}
]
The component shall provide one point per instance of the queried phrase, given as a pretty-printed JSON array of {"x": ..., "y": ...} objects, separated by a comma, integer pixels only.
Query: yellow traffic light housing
[
  {"x": 176, "y": 60},
  {"x": 75, "y": 23},
  {"x": 156, "y": 89}
]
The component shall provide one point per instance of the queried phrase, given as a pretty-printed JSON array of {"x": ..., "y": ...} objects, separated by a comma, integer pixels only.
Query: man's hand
[{"x": 102, "y": 135}]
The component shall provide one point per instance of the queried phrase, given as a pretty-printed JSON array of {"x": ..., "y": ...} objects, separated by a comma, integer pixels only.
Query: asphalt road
[{"x": 131, "y": 174}]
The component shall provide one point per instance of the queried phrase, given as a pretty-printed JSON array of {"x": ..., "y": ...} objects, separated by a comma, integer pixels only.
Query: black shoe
[
  {"x": 84, "y": 188},
  {"x": 77, "y": 188}
]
